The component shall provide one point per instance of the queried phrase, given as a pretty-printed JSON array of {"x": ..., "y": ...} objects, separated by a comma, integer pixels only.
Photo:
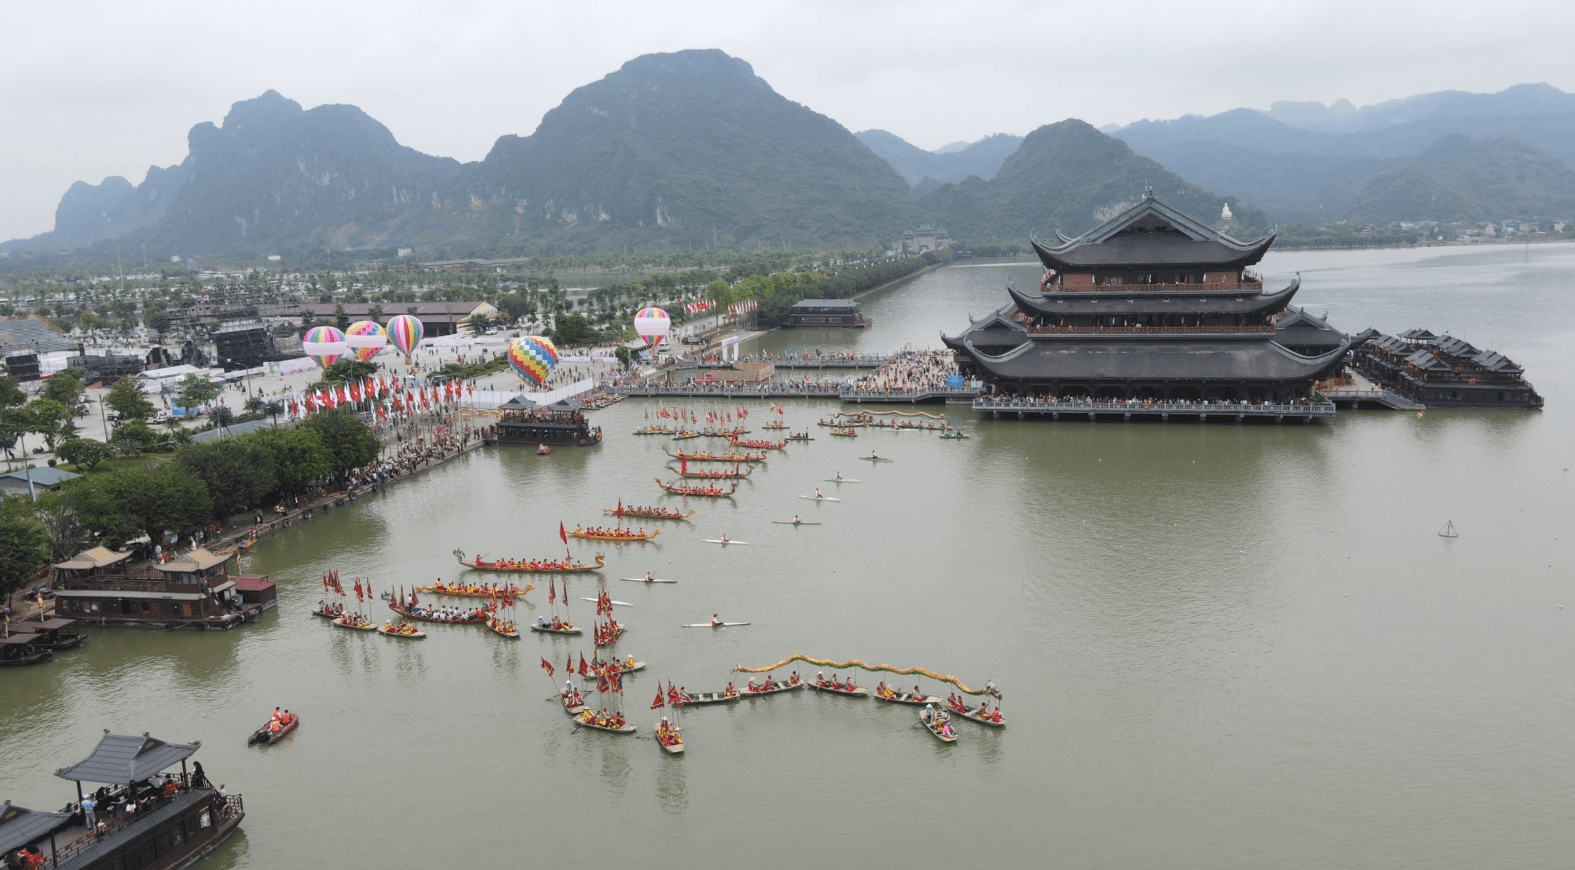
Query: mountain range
[{"x": 692, "y": 149}]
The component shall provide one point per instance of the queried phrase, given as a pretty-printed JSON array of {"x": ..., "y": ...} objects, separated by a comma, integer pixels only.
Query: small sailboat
[{"x": 1448, "y": 531}]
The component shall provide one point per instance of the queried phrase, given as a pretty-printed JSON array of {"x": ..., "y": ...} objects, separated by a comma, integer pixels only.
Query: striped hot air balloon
[
  {"x": 404, "y": 331},
  {"x": 325, "y": 344},
  {"x": 366, "y": 338}
]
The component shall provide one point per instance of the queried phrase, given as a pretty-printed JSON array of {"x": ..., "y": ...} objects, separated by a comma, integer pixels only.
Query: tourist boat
[
  {"x": 896, "y": 697},
  {"x": 411, "y": 614},
  {"x": 543, "y": 450},
  {"x": 846, "y": 433},
  {"x": 402, "y": 630},
  {"x": 973, "y": 715},
  {"x": 555, "y": 629},
  {"x": 656, "y": 430},
  {"x": 587, "y": 719},
  {"x": 17, "y": 650},
  {"x": 939, "y": 725},
  {"x": 671, "y": 739},
  {"x": 708, "y": 492},
  {"x": 473, "y": 590},
  {"x": 710, "y": 698},
  {"x": 718, "y": 457},
  {"x": 773, "y": 688},
  {"x": 857, "y": 692},
  {"x": 730, "y": 474},
  {"x": 355, "y": 622},
  {"x": 522, "y": 422},
  {"x": 758, "y": 445},
  {"x": 504, "y": 628},
  {"x": 650, "y": 513},
  {"x": 530, "y": 566},
  {"x": 51, "y": 634},
  {"x": 265, "y": 736},
  {"x": 616, "y": 536}
]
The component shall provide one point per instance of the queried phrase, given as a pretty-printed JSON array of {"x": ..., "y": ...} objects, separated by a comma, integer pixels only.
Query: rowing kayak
[
  {"x": 820, "y": 498},
  {"x": 619, "y": 603},
  {"x": 643, "y": 580},
  {"x": 722, "y": 542},
  {"x": 709, "y": 625},
  {"x": 876, "y": 459},
  {"x": 792, "y": 523},
  {"x": 840, "y": 480}
]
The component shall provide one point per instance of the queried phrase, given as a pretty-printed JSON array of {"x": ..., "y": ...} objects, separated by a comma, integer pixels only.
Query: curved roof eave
[{"x": 1115, "y": 302}]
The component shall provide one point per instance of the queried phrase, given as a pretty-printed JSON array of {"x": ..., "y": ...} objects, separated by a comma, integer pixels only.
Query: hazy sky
[{"x": 106, "y": 87}]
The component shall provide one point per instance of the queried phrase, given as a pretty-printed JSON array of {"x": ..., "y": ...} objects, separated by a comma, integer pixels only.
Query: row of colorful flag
[{"x": 390, "y": 396}]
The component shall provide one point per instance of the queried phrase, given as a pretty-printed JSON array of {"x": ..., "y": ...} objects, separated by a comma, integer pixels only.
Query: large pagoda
[{"x": 1151, "y": 306}]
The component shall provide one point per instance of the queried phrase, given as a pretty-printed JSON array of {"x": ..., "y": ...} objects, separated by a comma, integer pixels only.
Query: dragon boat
[
  {"x": 838, "y": 689},
  {"x": 718, "y": 457},
  {"x": 411, "y": 614},
  {"x": 656, "y": 430},
  {"x": 530, "y": 566},
  {"x": 474, "y": 590},
  {"x": 729, "y": 474},
  {"x": 759, "y": 445},
  {"x": 695, "y": 491},
  {"x": 403, "y": 629},
  {"x": 615, "y": 537},
  {"x": 651, "y": 513}
]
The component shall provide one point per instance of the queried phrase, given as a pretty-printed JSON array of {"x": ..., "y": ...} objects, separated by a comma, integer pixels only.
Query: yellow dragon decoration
[{"x": 989, "y": 687}]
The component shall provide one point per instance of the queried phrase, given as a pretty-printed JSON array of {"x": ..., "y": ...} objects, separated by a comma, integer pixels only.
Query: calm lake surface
[{"x": 1219, "y": 645}]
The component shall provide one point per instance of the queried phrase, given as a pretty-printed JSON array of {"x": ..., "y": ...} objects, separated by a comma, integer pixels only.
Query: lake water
[{"x": 1219, "y": 646}]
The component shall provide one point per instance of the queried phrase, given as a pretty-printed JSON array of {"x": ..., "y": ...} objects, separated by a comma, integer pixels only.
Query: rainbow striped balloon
[
  {"x": 652, "y": 324},
  {"x": 533, "y": 358},
  {"x": 366, "y": 338},
  {"x": 405, "y": 331},
  {"x": 324, "y": 344}
]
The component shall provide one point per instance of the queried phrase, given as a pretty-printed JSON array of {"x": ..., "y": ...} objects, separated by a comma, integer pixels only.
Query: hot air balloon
[
  {"x": 324, "y": 344},
  {"x": 533, "y": 358},
  {"x": 653, "y": 325},
  {"x": 404, "y": 331},
  {"x": 366, "y": 338}
]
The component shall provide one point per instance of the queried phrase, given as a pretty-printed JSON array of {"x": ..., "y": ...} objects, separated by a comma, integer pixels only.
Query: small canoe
[
  {"x": 974, "y": 715},
  {"x": 937, "y": 726},
  {"x": 908, "y": 698},
  {"x": 569, "y": 707},
  {"x": 711, "y": 698},
  {"x": 674, "y": 748},
  {"x": 624, "y": 669},
  {"x": 625, "y": 728},
  {"x": 327, "y": 614},
  {"x": 547, "y": 629},
  {"x": 354, "y": 624},
  {"x": 503, "y": 631},
  {"x": 794, "y": 523},
  {"x": 859, "y": 692},
  {"x": 263, "y": 735},
  {"x": 722, "y": 542},
  {"x": 777, "y": 687},
  {"x": 643, "y": 580},
  {"x": 876, "y": 459},
  {"x": 840, "y": 480},
  {"x": 619, "y": 603},
  {"x": 715, "y": 625},
  {"x": 415, "y": 633},
  {"x": 820, "y": 498}
]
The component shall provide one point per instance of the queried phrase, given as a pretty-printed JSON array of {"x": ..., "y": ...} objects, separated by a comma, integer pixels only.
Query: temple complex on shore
[{"x": 1152, "y": 308}]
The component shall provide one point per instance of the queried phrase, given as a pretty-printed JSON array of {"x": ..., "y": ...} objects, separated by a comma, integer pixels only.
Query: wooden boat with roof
[
  {"x": 651, "y": 513},
  {"x": 403, "y": 630},
  {"x": 696, "y": 491},
  {"x": 17, "y": 650},
  {"x": 51, "y": 633},
  {"x": 719, "y": 457},
  {"x": 616, "y": 536},
  {"x": 475, "y": 590},
  {"x": 838, "y": 689},
  {"x": 530, "y": 566},
  {"x": 938, "y": 724},
  {"x": 266, "y": 735}
]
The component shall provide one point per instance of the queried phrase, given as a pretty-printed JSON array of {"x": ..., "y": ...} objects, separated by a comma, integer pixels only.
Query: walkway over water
[
  {"x": 858, "y": 361},
  {"x": 1370, "y": 393},
  {"x": 1163, "y": 411},
  {"x": 789, "y": 390}
]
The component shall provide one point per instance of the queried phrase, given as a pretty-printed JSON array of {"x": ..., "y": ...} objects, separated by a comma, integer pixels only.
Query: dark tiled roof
[
  {"x": 1150, "y": 302},
  {"x": 826, "y": 303},
  {"x": 20, "y": 826},
  {"x": 1039, "y": 361},
  {"x": 123, "y": 758},
  {"x": 1152, "y": 234},
  {"x": 518, "y": 403}
]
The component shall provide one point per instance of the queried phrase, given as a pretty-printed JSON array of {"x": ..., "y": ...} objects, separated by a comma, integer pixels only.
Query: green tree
[
  {"x": 50, "y": 419},
  {"x": 625, "y": 356},
  {"x": 134, "y": 438},
  {"x": 23, "y": 550},
  {"x": 195, "y": 391},
  {"x": 347, "y": 438},
  {"x": 63, "y": 529},
  {"x": 159, "y": 501},
  {"x": 298, "y": 457},
  {"x": 85, "y": 453},
  {"x": 126, "y": 399},
  {"x": 65, "y": 387},
  {"x": 92, "y": 501},
  {"x": 346, "y": 371},
  {"x": 572, "y": 329},
  {"x": 11, "y": 394},
  {"x": 341, "y": 319},
  {"x": 236, "y": 471},
  {"x": 14, "y": 423}
]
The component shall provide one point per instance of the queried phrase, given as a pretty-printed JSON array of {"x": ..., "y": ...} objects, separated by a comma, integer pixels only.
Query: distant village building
[
  {"x": 34, "y": 349},
  {"x": 925, "y": 238},
  {"x": 826, "y": 313},
  {"x": 437, "y": 318}
]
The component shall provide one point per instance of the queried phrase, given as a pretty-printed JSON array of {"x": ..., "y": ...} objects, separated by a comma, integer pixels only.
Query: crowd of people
[
  {"x": 1139, "y": 402},
  {"x": 910, "y": 371}
]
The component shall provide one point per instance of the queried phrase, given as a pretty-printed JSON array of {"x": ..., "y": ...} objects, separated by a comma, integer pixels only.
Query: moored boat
[
  {"x": 530, "y": 566},
  {"x": 51, "y": 634},
  {"x": 17, "y": 650}
]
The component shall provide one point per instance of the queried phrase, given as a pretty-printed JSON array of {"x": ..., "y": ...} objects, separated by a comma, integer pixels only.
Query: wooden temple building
[
  {"x": 1440, "y": 371},
  {"x": 195, "y": 590},
  {"x": 1152, "y": 313}
]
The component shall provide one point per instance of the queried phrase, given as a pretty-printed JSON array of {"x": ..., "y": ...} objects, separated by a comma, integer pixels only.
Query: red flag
[
  {"x": 564, "y": 535},
  {"x": 547, "y": 666},
  {"x": 552, "y": 592},
  {"x": 569, "y": 667},
  {"x": 659, "y": 702},
  {"x": 584, "y": 671},
  {"x": 620, "y": 512},
  {"x": 355, "y": 392}
]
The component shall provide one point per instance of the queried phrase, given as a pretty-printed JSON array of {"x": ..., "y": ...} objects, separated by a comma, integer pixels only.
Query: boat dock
[
  {"x": 1372, "y": 395},
  {"x": 789, "y": 390},
  {"x": 1162, "y": 411},
  {"x": 862, "y": 361}
]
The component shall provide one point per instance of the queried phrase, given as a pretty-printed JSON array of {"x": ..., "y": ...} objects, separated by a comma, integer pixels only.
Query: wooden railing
[
  {"x": 1148, "y": 330},
  {"x": 1253, "y": 286}
]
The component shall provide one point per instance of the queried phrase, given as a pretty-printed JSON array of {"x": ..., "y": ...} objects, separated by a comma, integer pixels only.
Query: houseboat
[
  {"x": 562, "y": 424},
  {"x": 192, "y": 590}
]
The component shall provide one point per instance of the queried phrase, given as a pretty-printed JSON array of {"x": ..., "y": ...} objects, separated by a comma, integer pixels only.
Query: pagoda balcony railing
[
  {"x": 1140, "y": 407},
  {"x": 1148, "y": 330},
  {"x": 1236, "y": 287}
]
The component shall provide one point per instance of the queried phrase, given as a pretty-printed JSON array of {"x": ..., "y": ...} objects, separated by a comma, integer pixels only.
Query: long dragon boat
[
  {"x": 695, "y": 491},
  {"x": 530, "y": 566},
  {"x": 729, "y": 474},
  {"x": 651, "y": 513},
  {"x": 759, "y": 445},
  {"x": 411, "y": 614},
  {"x": 616, "y": 537},
  {"x": 718, "y": 457},
  {"x": 474, "y": 590},
  {"x": 656, "y": 430}
]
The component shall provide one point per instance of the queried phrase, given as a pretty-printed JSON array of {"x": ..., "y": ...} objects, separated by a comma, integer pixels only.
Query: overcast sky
[{"x": 106, "y": 87}]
